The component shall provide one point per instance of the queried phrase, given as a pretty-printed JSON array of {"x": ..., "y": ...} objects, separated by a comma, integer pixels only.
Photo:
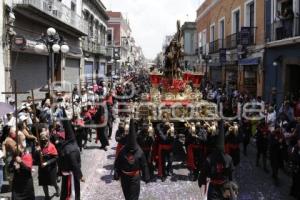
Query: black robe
[
  {"x": 276, "y": 152},
  {"x": 146, "y": 143},
  {"x": 102, "y": 130},
  {"x": 295, "y": 158},
  {"x": 218, "y": 167},
  {"x": 80, "y": 133},
  {"x": 128, "y": 162},
  {"x": 22, "y": 184},
  {"x": 232, "y": 147},
  {"x": 69, "y": 160}
]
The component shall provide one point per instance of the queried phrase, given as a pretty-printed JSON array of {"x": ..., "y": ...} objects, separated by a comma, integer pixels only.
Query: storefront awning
[{"x": 249, "y": 61}]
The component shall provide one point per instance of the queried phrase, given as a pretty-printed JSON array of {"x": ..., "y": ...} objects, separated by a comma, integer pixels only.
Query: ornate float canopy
[
  {"x": 175, "y": 94},
  {"x": 173, "y": 80}
]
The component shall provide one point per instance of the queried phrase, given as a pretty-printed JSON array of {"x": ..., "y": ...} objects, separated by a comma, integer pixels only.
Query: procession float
[
  {"x": 175, "y": 107},
  {"x": 175, "y": 94}
]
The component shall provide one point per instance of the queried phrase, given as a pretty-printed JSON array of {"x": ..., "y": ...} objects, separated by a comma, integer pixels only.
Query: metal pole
[
  {"x": 115, "y": 62},
  {"x": 52, "y": 65},
  {"x": 16, "y": 114},
  {"x": 50, "y": 74}
]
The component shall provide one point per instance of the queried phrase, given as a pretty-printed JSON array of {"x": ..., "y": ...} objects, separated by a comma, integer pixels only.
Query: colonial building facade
[
  {"x": 94, "y": 45},
  {"x": 282, "y": 63},
  {"x": 231, "y": 43},
  {"x": 126, "y": 54},
  {"x": 32, "y": 19},
  {"x": 2, "y": 66},
  {"x": 118, "y": 38},
  {"x": 189, "y": 44}
]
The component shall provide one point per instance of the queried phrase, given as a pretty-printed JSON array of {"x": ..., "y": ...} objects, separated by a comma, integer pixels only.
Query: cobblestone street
[
  {"x": 254, "y": 183},
  {"x": 97, "y": 166},
  {"x": 190, "y": 82}
]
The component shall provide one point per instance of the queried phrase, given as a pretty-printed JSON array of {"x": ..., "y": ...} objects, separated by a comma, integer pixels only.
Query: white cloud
[{"x": 152, "y": 20}]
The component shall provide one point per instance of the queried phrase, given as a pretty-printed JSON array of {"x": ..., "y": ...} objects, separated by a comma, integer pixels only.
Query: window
[
  {"x": 204, "y": 36},
  {"x": 221, "y": 33},
  {"x": 250, "y": 13},
  {"x": 109, "y": 37},
  {"x": 212, "y": 33},
  {"x": 200, "y": 44},
  {"x": 97, "y": 33},
  {"x": 236, "y": 21},
  {"x": 103, "y": 36},
  {"x": 73, "y": 6},
  {"x": 222, "y": 29}
]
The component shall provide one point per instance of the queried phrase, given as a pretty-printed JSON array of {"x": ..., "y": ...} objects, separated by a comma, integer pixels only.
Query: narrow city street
[
  {"x": 254, "y": 183},
  {"x": 97, "y": 166},
  {"x": 189, "y": 82}
]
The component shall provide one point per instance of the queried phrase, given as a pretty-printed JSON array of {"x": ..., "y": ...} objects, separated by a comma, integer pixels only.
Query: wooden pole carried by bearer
[
  {"x": 16, "y": 92},
  {"x": 34, "y": 116}
]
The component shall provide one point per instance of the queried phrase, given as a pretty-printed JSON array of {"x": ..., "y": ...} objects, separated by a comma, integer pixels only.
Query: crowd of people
[
  {"x": 51, "y": 134},
  {"x": 276, "y": 134}
]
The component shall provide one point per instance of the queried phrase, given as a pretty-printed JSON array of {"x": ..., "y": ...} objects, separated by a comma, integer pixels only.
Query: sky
[{"x": 152, "y": 20}]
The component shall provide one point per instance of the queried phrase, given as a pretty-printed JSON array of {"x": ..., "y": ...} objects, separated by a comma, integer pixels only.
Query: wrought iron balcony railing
[
  {"x": 285, "y": 28},
  {"x": 216, "y": 45},
  {"x": 57, "y": 10},
  {"x": 93, "y": 47},
  {"x": 233, "y": 40}
]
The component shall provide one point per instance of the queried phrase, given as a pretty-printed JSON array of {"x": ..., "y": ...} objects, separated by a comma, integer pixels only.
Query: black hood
[
  {"x": 69, "y": 131},
  {"x": 219, "y": 143},
  {"x": 132, "y": 144}
]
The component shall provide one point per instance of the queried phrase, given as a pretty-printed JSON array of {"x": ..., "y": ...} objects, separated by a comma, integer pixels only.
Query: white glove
[{"x": 203, "y": 193}]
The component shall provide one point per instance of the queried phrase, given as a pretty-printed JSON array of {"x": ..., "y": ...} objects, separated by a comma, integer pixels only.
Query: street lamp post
[{"x": 53, "y": 43}]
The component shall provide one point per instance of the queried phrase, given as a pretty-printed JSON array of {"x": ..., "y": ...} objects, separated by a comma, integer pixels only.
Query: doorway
[{"x": 292, "y": 80}]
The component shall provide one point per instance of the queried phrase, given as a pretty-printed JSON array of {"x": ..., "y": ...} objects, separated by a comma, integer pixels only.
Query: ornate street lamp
[{"x": 53, "y": 43}]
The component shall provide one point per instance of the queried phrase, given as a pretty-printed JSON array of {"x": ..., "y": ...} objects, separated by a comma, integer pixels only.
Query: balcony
[
  {"x": 284, "y": 29},
  {"x": 216, "y": 45},
  {"x": 233, "y": 40},
  {"x": 55, "y": 10},
  {"x": 94, "y": 48}
]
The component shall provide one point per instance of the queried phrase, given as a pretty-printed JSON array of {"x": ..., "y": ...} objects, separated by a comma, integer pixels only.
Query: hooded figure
[
  {"x": 218, "y": 168},
  {"x": 130, "y": 165},
  {"x": 121, "y": 136},
  {"x": 69, "y": 162},
  {"x": 100, "y": 119}
]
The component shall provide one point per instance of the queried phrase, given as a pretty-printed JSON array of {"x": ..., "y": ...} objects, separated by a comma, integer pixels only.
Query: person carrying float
[
  {"x": 145, "y": 139},
  {"x": 196, "y": 148},
  {"x": 166, "y": 135}
]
